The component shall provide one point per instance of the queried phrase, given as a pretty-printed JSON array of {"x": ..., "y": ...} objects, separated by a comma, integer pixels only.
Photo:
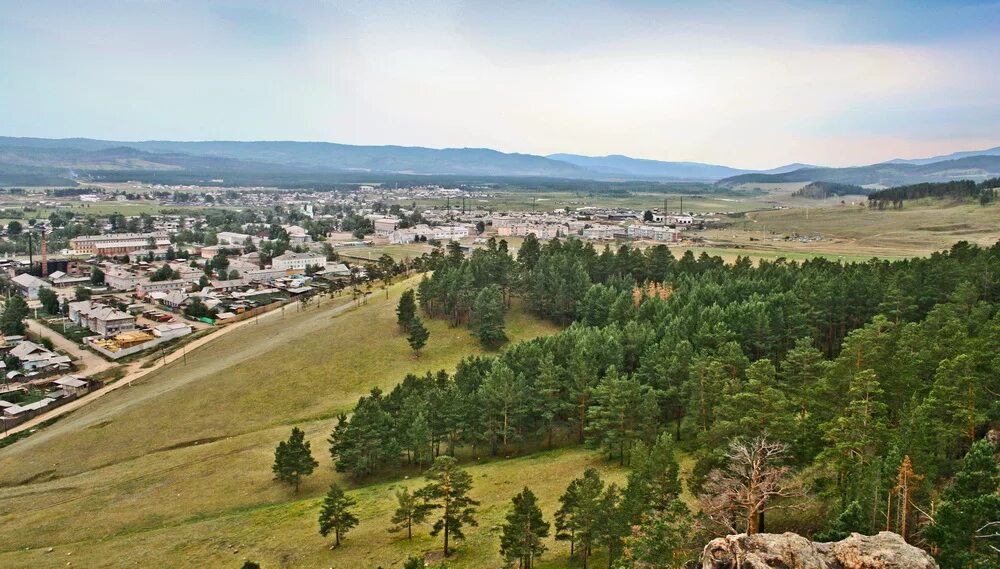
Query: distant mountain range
[
  {"x": 972, "y": 167},
  {"x": 42, "y": 161}
]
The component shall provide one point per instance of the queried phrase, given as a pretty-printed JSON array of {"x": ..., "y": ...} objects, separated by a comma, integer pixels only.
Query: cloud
[{"x": 748, "y": 84}]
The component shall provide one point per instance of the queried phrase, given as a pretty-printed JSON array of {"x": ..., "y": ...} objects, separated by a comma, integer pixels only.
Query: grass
[
  {"x": 548, "y": 201},
  {"x": 284, "y": 534},
  {"x": 160, "y": 468}
]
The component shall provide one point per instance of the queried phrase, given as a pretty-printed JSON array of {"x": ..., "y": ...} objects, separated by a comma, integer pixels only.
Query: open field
[
  {"x": 548, "y": 201},
  {"x": 919, "y": 228},
  {"x": 281, "y": 532},
  {"x": 192, "y": 443}
]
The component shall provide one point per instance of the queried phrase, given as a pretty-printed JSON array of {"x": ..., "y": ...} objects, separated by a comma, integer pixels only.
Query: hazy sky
[{"x": 750, "y": 84}]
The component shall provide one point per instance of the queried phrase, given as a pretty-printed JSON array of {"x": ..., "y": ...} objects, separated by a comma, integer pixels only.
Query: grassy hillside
[{"x": 192, "y": 444}]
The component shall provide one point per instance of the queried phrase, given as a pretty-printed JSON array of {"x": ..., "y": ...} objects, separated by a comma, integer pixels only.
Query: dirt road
[{"x": 90, "y": 362}]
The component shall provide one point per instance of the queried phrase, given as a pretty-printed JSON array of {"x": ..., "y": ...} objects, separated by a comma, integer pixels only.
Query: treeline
[
  {"x": 823, "y": 190},
  {"x": 984, "y": 191},
  {"x": 853, "y": 370}
]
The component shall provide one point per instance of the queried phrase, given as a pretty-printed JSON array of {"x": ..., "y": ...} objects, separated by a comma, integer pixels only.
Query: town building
[
  {"x": 100, "y": 319},
  {"x": 29, "y": 285},
  {"x": 118, "y": 243},
  {"x": 145, "y": 288},
  {"x": 291, "y": 261}
]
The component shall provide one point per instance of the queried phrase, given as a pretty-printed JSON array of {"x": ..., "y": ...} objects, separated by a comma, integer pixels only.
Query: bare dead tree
[{"x": 755, "y": 480}]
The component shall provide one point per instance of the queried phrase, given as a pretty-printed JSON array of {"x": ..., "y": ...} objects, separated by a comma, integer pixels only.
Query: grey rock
[{"x": 886, "y": 550}]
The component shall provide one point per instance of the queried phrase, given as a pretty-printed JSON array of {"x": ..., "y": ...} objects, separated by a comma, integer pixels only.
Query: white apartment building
[
  {"x": 291, "y": 261},
  {"x": 601, "y": 232},
  {"x": 654, "y": 233},
  {"x": 422, "y": 232}
]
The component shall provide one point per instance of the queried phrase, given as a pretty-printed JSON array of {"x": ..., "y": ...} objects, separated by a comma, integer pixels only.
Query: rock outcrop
[{"x": 792, "y": 551}]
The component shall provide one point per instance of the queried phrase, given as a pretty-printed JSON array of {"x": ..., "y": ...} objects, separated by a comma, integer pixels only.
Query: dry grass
[
  {"x": 192, "y": 444},
  {"x": 854, "y": 232}
]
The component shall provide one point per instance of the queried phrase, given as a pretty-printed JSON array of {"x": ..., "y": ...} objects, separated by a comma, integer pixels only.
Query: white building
[
  {"x": 29, "y": 285},
  {"x": 425, "y": 233},
  {"x": 654, "y": 233},
  {"x": 601, "y": 232},
  {"x": 100, "y": 319},
  {"x": 384, "y": 226},
  {"x": 231, "y": 238},
  {"x": 291, "y": 261}
]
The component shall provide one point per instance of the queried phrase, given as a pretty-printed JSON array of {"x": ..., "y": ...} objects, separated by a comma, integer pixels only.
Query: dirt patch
[
  {"x": 943, "y": 228},
  {"x": 186, "y": 444},
  {"x": 43, "y": 476},
  {"x": 100, "y": 425}
]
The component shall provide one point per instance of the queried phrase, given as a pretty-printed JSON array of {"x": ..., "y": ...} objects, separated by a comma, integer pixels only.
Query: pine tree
[
  {"x": 857, "y": 436},
  {"x": 579, "y": 516},
  {"x": 336, "y": 515},
  {"x": 501, "y": 393},
  {"x": 653, "y": 482},
  {"x": 419, "y": 435},
  {"x": 487, "y": 322},
  {"x": 406, "y": 310},
  {"x": 529, "y": 251},
  {"x": 906, "y": 487},
  {"x": 418, "y": 335},
  {"x": 851, "y": 519},
  {"x": 964, "y": 529},
  {"x": 448, "y": 489},
  {"x": 524, "y": 530},
  {"x": 411, "y": 510},
  {"x": 293, "y": 459},
  {"x": 12, "y": 319},
  {"x": 665, "y": 539},
  {"x": 414, "y": 562},
  {"x": 623, "y": 411}
]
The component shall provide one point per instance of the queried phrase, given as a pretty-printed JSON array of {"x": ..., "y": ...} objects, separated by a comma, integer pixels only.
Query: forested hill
[
  {"x": 823, "y": 190},
  {"x": 885, "y": 174},
  {"x": 985, "y": 192},
  {"x": 859, "y": 387}
]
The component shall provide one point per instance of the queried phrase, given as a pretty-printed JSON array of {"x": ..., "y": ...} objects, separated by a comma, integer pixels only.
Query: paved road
[
  {"x": 90, "y": 362},
  {"x": 135, "y": 374}
]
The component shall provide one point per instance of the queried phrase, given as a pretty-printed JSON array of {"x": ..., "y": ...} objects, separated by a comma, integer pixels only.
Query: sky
[{"x": 746, "y": 84}]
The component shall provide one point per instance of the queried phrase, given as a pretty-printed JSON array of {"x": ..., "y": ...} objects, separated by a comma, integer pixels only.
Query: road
[
  {"x": 136, "y": 374},
  {"x": 90, "y": 362}
]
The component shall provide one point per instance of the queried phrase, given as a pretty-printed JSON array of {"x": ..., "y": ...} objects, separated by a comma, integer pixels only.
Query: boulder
[{"x": 886, "y": 550}]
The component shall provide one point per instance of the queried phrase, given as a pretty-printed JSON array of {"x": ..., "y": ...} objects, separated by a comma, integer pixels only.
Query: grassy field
[
  {"x": 186, "y": 452},
  {"x": 855, "y": 232},
  {"x": 548, "y": 201}
]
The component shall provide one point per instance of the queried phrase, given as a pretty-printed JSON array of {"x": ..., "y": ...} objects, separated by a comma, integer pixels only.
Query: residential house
[
  {"x": 36, "y": 357},
  {"x": 100, "y": 319},
  {"x": 29, "y": 285},
  {"x": 146, "y": 288}
]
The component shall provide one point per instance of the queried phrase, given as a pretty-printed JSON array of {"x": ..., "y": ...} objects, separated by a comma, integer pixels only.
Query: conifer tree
[
  {"x": 15, "y": 310},
  {"x": 411, "y": 510},
  {"x": 448, "y": 489},
  {"x": 965, "y": 529},
  {"x": 487, "y": 322},
  {"x": 579, "y": 517},
  {"x": 623, "y": 411},
  {"x": 336, "y": 515},
  {"x": 406, "y": 310},
  {"x": 293, "y": 459},
  {"x": 523, "y": 531},
  {"x": 418, "y": 335}
]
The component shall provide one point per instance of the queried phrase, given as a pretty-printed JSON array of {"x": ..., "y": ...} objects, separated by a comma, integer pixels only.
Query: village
[{"x": 124, "y": 287}]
